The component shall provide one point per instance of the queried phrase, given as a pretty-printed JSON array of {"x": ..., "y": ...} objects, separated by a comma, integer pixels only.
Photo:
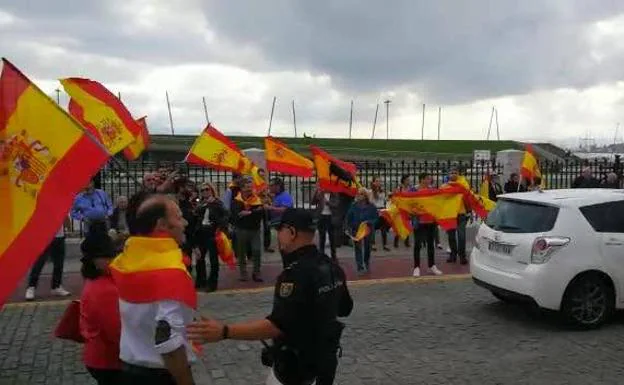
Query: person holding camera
[{"x": 310, "y": 294}]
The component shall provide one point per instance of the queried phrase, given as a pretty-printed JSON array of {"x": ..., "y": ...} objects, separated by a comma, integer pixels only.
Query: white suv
[{"x": 559, "y": 249}]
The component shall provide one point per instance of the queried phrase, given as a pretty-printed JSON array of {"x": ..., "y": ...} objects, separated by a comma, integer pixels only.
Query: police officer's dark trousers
[{"x": 327, "y": 370}]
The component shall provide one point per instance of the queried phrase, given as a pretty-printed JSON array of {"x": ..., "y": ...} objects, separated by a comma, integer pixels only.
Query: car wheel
[{"x": 588, "y": 302}]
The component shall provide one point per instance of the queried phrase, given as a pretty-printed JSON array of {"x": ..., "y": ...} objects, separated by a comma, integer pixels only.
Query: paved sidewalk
[{"x": 424, "y": 331}]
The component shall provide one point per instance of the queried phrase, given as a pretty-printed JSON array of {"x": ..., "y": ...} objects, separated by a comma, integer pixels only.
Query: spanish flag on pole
[
  {"x": 280, "y": 158},
  {"x": 333, "y": 174},
  {"x": 152, "y": 269},
  {"x": 214, "y": 150},
  {"x": 140, "y": 144},
  {"x": 45, "y": 160},
  {"x": 529, "y": 168},
  {"x": 442, "y": 204},
  {"x": 247, "y": 167},
  {"x": 101, "y": 113}
]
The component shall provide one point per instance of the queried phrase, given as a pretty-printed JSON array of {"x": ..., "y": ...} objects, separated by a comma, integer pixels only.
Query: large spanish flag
[
  {"x": 45, "y": 160},
  {"x": 140, "y": 144},
  {"x": 152, "y": 269},
  {"x": 101, "y": 113},
  {"x": 280, "y": 158},
  {"x": 399, "y": 220},
  {"x": 529, "y": 168},
  {"x": 442, "y": 204},
  {"x": 334, "y": 175},
  {"x": 214, "y": 150}
]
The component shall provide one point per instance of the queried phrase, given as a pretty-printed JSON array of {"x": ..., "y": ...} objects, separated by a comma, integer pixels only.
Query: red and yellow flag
[
  {"x": 280, "y": 158},
  {"x": 225, "y": 250},
  {"x": 247, "y": 167},
  {"x": 214, "y": 150},
  {"x": 442, "y": 204},
  {"x": 362, "y": 232},
  {"x": 45, "y": 160},
  {"x": 250, "y": 202},
  {"x": 140, "y": 144},
  {"x": 101, "y": 113},
  {"x": 152, "y": 269},
  {"x": 399, "y": 221},
  {"x": 529, "y": 168},
  {"x": 334, "y": 175},
  {"x": 484, "y": 194}
]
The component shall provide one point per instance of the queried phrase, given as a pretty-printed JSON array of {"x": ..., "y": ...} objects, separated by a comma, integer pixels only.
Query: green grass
[{"x": 356, "y": 147}]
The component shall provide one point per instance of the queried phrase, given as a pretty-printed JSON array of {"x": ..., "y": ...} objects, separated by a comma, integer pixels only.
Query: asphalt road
[{"x": 411, "y": 332}]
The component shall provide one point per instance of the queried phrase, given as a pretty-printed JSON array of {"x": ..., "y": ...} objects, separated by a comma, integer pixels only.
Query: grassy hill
[{"x": 360, "y": 148}]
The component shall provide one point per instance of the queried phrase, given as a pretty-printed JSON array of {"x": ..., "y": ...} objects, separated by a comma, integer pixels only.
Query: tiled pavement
[{"x": 412, "y": 332}]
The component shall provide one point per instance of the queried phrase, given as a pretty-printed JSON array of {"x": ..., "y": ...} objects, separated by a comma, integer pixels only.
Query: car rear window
[
  {"x": 605, "y": 217},
  {"x": 510, "y": 216}
]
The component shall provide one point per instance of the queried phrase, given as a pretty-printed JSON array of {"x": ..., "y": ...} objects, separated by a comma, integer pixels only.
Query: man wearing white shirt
[
  {"x": 56, "y": 252},
  {"x": 157, "y": 297}
]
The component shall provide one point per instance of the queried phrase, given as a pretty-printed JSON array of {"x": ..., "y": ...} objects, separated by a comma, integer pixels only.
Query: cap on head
[{"x": 299, "y": 219}]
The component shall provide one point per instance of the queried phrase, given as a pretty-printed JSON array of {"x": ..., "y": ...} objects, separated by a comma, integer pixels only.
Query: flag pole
[
  {"x": 490, "y": 125},
  {"x": 58, "y": 96},
  {"x": 422, "y": 128},
  {"x": 351, "y": 119},
  {"x": 271, "y": 117},
  {"x": 205, "y": 110},
  {"x": 375, "y": 121},
  {"x": 439, "y": 120},
  {"x": 294, "y": 117},
  {"x": 119, "y": 95},
  {"x": 170, "y": 116},
  {"x": 497, "y": 128}
]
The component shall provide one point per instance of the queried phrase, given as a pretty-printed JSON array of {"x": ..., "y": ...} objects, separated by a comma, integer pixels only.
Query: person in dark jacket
[
  {"x": 495, "y": 188},
  {"x": 246, "y": 216},
  {"x": 362, "y": 210},
  {"x": 326, "y": 212},
  {"x": 586, "y": 180},
  {"x": 511, "y": 186},
  {"x": 119, "y": 230},
  {"x": 212, "y": 216},
  {"x": 183, "y": 196}
]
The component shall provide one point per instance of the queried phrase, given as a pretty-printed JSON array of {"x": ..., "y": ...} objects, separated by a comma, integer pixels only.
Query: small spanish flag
[
  {"x": 101, "y": 113},
  {"x": 225, "y": 250},
  {"x": 214, "y": 150},
  {"x": 140, "y": 144},
  {"x": 247, "y": 167},
  {"x": 529, "y": 168},
  {"x": 334, "y": 175},
  {"x": 280, "y": 158},
  {"x": 362, "y": 232},
  {"x": 399, "y": 221},
  {"x": 152, "y": 269},
  {"x": 484, "y": 195},
  {"x": 45, "y": 160}
]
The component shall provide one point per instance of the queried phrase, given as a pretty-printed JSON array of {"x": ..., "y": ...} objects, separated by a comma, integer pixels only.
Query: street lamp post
[{"x": 387, "y": 102}]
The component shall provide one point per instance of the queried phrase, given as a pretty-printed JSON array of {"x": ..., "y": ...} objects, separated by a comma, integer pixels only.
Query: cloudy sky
[{"x": 553, "y": 68}]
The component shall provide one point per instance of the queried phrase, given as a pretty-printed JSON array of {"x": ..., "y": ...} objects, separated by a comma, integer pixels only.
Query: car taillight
[{"x": 543, "y": 247}]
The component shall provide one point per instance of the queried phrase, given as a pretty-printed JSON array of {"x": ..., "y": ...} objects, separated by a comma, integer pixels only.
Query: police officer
[{"x": 309, "y": 295}]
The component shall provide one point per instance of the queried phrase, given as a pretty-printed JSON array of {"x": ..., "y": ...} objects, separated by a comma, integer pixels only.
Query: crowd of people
[{"x": 119, "y": 340}]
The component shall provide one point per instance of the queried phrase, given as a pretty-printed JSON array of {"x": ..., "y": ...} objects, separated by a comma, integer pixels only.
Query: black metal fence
[{"x": 124, "y": 178}]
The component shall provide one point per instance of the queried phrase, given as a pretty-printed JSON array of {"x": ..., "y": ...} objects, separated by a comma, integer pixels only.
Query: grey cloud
[{"x": 447, "y": 51}]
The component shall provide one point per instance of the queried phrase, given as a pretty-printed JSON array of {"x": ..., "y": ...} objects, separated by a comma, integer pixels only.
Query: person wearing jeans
[
  {"x": 362, "y": 210},
  {"x": 457, "y": 237},
  {"x": 56, "y": 252},
  {"x": 457, "y": 240}
]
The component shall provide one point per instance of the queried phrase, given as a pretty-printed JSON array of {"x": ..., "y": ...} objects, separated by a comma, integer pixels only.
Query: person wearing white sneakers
[
  {"x": 424, "y": 233},
  {"x": 56, "y": 251}
]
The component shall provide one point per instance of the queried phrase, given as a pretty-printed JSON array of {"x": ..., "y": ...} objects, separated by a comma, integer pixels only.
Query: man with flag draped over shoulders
[
  {"x": 157, "y": 297},
  {"x": 247, "y": 213}
]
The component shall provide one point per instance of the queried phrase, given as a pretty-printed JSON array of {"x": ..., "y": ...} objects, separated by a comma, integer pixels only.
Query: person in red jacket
[{"x": 100, "y": 324}]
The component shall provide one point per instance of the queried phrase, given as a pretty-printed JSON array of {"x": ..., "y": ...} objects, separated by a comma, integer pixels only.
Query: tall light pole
[{"x": 387, "y": 102}]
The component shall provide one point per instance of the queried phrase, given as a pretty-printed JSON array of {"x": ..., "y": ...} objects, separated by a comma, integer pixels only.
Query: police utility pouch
[{"x": 287, "y": 365}]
